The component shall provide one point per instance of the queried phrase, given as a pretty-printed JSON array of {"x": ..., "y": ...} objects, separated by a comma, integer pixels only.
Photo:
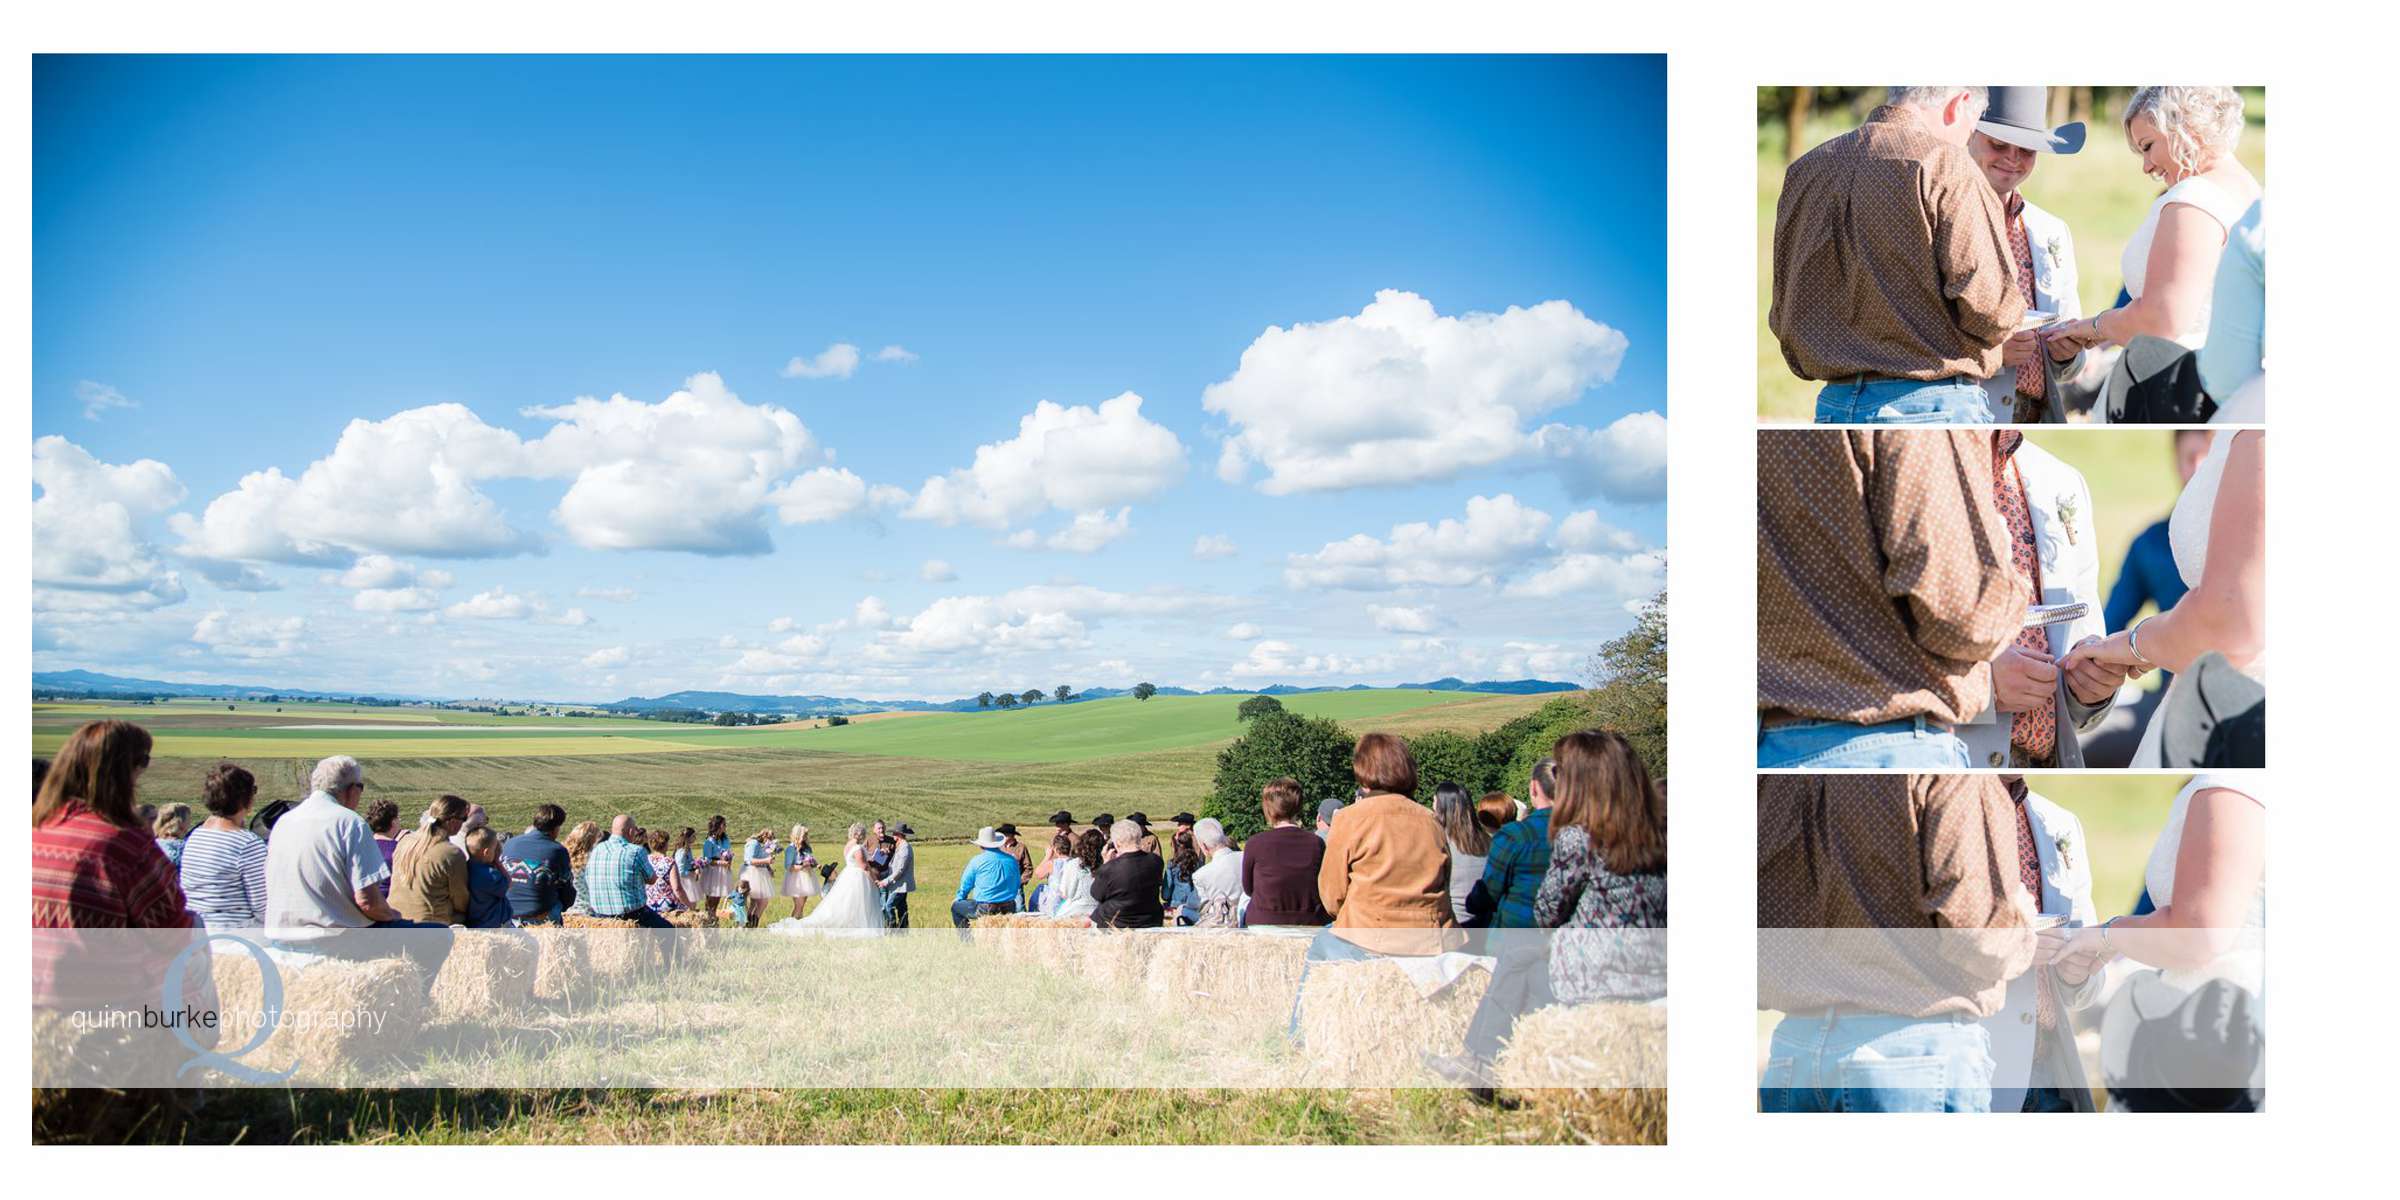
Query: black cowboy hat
[
  {"x": 1004, "y": 827},
  {"x": 1141, "y": 819},
  {"x": 906, "y": 830},
  {"x": 1062, "y": 818},
  {"x": 1184, "y": 818},
  {"x": 1103, "y": 821}
]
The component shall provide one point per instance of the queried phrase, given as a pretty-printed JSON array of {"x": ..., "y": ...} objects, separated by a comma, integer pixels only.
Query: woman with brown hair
[
  {"x": 1608, "y": 871},
  {"x": 1386, "y": 875},
  {"x": 578, "y": 844},
  {"x": 1279, "y": 863},
  {"x": 224, "y": 866},
  {"x": 96, "y": 867},
  {"x": 1071, "y": 880}
]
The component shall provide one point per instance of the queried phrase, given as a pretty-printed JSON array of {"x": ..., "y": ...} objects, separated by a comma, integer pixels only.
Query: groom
[
  {"x": 899, "y": 878},
  {"x": 2014, "y": 132},
  {"x": 2038, "y": 714}
]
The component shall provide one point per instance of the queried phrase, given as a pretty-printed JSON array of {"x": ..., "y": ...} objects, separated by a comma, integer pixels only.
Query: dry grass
[
  {"x": 1604, "y": 1066},
  {"x": 490, "y": 973},
  {"x": 337, "y": 1017},
  {"x": 1364, "y": 1021}
]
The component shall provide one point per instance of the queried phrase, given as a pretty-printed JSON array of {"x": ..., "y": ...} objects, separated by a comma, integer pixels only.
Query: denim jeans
[
  {"x": 1520, "y": 985},
  {"x": 1835, "y": 745},
  {"x": 963, "y": 912},
  {"x": 1874, "y": 1062},
  {"x": 1904, "y": 402}
]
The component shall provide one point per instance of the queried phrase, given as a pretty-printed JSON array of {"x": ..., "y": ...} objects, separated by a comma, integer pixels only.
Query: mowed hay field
[{"x": 946, "y": 774}]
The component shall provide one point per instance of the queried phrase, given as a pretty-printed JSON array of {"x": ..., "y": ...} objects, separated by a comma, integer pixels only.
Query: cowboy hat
[
  {"x": 2020, "y": 116},
  {"x": 989, "y": 838}
]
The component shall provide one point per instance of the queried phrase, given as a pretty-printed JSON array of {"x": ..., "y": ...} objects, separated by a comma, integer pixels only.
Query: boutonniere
[
  {"x": 2058, "y": 252},
  {"x": 2066, "y": 852},
  {"x": 2068, "y": 510}
]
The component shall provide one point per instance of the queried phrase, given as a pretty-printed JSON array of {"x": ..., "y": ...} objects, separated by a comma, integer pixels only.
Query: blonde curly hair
[{"x": 2201, "y": 124}]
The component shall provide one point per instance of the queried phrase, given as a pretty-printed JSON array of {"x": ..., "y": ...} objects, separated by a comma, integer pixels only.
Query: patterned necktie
[
  {"x": 2029, "y": 868},
  {"x": 2031, "y": 382},
  {"x": 2036, "y": 729}
]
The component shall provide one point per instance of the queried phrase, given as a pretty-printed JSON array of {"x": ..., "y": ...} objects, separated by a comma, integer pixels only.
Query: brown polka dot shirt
[
  {"x": 1921, "y": 853},
  {"x": 1891, "y": 258}
]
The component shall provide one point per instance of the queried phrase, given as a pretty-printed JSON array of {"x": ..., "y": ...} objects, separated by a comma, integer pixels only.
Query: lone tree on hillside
[
  {"x": 1143, "y": 691},
  {"x": 983, "y": 700},
  {"x": 1063, "y": 693},
  {"x": 1008, "y": 700},
  {"x": 1258, "y": 706},
  {"x": 1032, "y": 696}
]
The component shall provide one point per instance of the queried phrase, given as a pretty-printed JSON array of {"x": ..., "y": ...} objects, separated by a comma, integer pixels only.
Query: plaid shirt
[
  {"x": 1513, "y": 874},
  {"x": 617, "y": 873}
]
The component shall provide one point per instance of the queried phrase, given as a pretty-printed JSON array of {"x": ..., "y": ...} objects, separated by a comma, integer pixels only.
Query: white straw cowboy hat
[
  {"x": 2020, "y": 116},
  {"x": 989, "y": 838}
]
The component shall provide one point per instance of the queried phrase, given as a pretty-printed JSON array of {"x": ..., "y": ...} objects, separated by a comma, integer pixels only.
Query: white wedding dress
[
  {"x": 851, "y": 908},
  {"x": 2187, "y": 535}
]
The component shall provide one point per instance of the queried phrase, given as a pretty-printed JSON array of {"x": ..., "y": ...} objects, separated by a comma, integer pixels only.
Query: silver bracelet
[{"x": 2133, "y": 642}]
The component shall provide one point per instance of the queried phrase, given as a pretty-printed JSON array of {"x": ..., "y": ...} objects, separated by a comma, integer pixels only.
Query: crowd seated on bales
[{"x": 1379, "y": 875}]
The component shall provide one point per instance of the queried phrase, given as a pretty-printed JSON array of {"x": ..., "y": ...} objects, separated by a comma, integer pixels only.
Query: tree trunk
[{"x": 1796, "y": 103}]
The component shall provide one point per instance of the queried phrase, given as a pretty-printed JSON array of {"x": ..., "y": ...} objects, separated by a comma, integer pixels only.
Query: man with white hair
[
  {"x": 1893, "y": 284},
  {"x": 1219, "y": 882},
  {"x": 1127, "y": 885},
  {"x": 323, "y": 869}
]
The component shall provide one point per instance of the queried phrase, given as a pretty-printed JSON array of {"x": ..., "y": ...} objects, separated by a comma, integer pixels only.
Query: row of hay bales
[
  {"x": 490, "y": 974},
  {"x": 1365, "y": 1023}
]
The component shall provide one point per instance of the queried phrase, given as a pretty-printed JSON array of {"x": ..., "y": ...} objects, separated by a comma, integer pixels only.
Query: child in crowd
[
  {"x": 665, "y": 893},
  {"x": 170, "y": 827},
  {"x": 487, "y": 884}
]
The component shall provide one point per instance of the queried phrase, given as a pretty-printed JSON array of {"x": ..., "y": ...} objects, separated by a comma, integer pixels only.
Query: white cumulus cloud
[
  {"x": 498, "y": 604},
  {"x": 1399, "y": 394},
  {"x": 895, "y": 354},
  {"x": 936, "y": 571},
  {"x": 249, "y": 636},
  {"x": 88, "y": 537},
  {"x": 1209, "y": 546},
  {"x": 1497, "y": 534},
  {"x": 1245, "y": 632},
  {"x": 394, "y": 599},
  {"x": 603, "y": 659},
  {"x": 1072, "y": 459},
  {"x": 1395, "y": 619},
  {"x": 1087, "y": 533},
  {"x": 1626, "y": 462}
]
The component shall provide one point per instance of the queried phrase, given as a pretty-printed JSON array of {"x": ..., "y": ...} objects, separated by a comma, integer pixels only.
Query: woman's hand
[
  {"x": 2078, "y": 334},
  {"x": 2114, "y": 651},
  {"x": 2094, "y": 681}
]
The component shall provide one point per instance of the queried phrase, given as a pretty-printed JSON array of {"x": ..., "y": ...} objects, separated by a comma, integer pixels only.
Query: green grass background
[{"x": 2100, "y": 193}]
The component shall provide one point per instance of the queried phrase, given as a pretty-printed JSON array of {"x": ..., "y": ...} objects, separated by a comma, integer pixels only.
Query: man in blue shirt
[
  {"x": 1520, "y": 856},
  {"x": 989, "y": 884},
  {"x": 541, "y": 879},
  {"x": 617, "y": 874}
]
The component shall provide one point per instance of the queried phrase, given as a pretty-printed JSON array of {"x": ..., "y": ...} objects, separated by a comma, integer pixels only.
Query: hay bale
[
  {"x": 336, "y": 1014},
  {"x": 490, "y": 972},
  {"x": 1363, "y": 1024},
  {"x": 1601, "y": 1068},
  {"x": 1228, "y": 974},
  {"x": 619, "y": 948},
  {"x": 563, "y": 967},
  {"x": 1120, "y": 958}
]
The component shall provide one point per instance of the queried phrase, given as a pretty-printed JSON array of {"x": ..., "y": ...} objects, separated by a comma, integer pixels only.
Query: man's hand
[
  {"x": 2018, "y": 349},
  {"x": 2023, "y": 680},
  {"x": 2092, "y": 680},
  {"x": 2071, "y": 954}
]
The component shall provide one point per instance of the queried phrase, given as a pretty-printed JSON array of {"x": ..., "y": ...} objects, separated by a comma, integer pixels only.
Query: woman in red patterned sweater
[{"x": 95, "y": 867}]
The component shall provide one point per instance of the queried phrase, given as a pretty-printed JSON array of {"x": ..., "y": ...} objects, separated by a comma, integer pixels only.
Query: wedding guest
[
  {"x": 716, "y": 868},
  {"x": 988, "y": 886},
  {"x": 1176, "y": 894},
  {"x": 1218, "y": 885},
  {"x": 541, "y": 872},
  {"x": 799, "y": 871},
  {"x": 2185, "y": 138},
  {"x": 1126, "y": 886},
  {"x": 618, "y": 875},
  {"x": 476, "y": 819},
  {"x": 1868, "y": 1021},
  {"x": 758, "y": 871},
  {"x": 1885, "y": 589},
  {"x": 1280, "y": 863},
  {"x": 1327, "y": 808},
  {"x": 1468, "y": 841},
  {"x": 429, "y": 871},
  {"x": 1015, "y": 845},
  {"x": 169, "y": 829},
  {"x": 322, "y": 868},
  {"x": 1062, "y": 823},
  {"x": 487, "y": 885},
  {"x": 1605, "y": 893},
  {"x": 223, "y": 871},
  {"x": 2147, "y": 577},
  {"x": 1061, "y": 848},
  {"x": 1386, "y": 877},
  {"x": 2014, "y": 132},
  {"x": 665, "y": 893},
  {"x": 2036, "y": 1023},
  {"x": 900, "y": 872},
  {"x": 1070, "y": 895},
  {"x": 2236, "y": 350},
  {"x": 1147, "y": 843},
  {"x": 1519, "y": 857},
  {"x": 95, "y": 866},
  {"x": 1104, "y": 822},
  {"x": 383, "y": 818},
  {"x": 578, "y": 844},
  {"x": 2047, "y": 508},
  {"x": 1891, "y": 272}
]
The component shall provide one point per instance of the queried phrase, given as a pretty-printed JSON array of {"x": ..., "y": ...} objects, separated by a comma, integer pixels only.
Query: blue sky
[{"x": 237, "y": 259}]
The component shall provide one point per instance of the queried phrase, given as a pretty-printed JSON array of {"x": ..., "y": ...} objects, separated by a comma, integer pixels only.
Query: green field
[{"x": 2100, "y": 193}]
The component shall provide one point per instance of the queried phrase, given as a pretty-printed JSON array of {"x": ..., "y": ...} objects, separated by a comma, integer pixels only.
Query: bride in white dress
[
  {"x": 2218, "y": 532},
  {"x": 851, "y": 908}
]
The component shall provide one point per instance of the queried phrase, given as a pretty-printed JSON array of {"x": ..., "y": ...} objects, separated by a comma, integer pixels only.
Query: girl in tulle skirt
[
  {"x": 800, "y": 871},
  {"x": 716, "y": 868}
]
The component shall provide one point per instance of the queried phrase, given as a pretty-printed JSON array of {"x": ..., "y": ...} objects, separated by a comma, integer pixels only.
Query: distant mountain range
[{"x": 90, "y": 683}]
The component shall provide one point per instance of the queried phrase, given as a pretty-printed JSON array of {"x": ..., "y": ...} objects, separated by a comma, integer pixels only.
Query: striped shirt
[
  {"x": 224, "y": 876},
  {"x": 617, "y": 873}
]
